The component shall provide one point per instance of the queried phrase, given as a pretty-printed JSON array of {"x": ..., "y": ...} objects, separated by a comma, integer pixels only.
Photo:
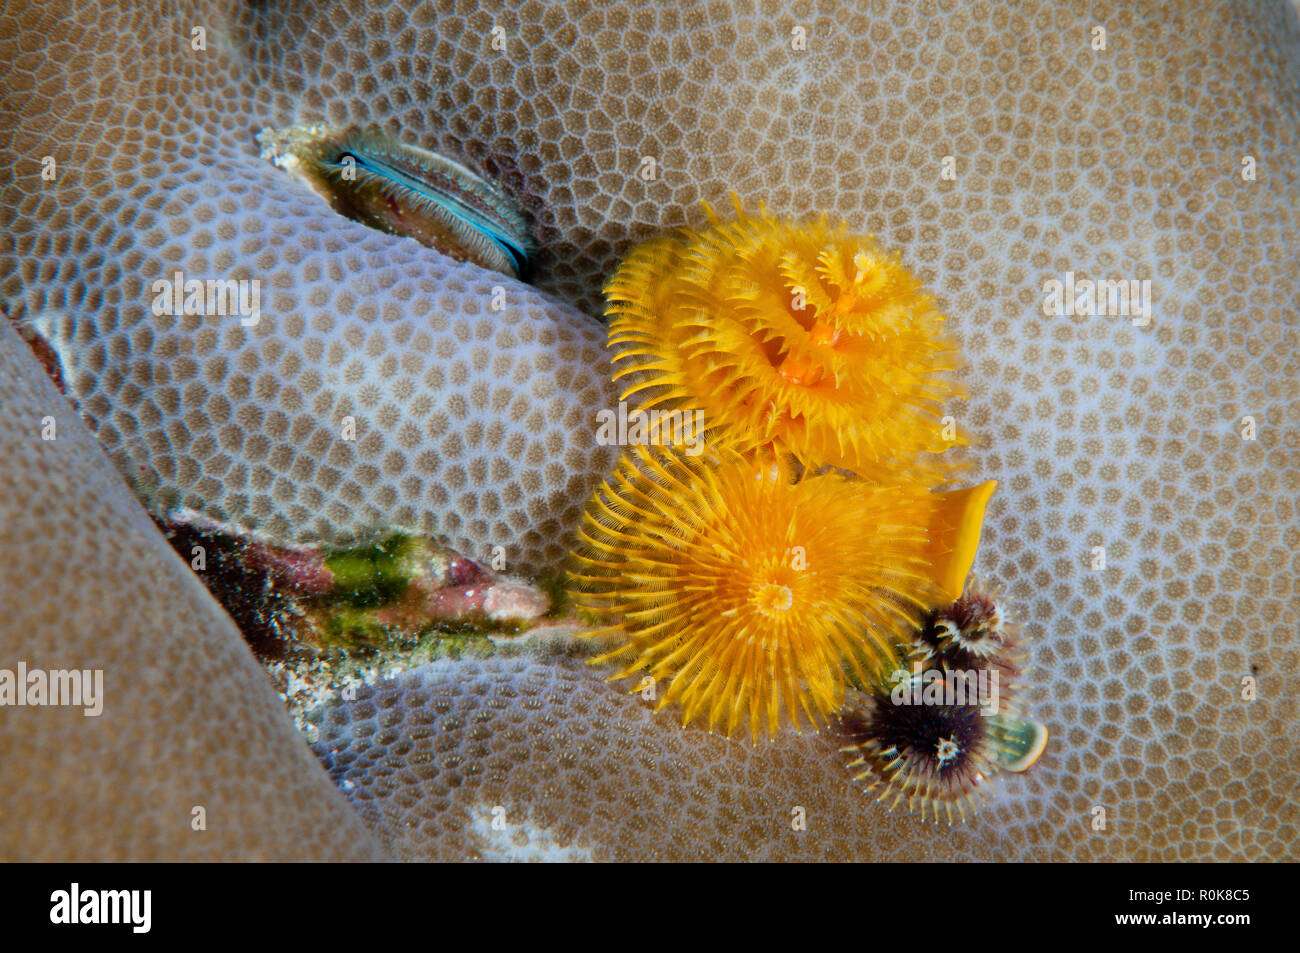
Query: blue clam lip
[{"x": 381, "y": 181}]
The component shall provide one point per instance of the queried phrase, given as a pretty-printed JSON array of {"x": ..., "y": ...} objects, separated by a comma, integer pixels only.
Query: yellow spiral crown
[{"x": 803, "y": 338}]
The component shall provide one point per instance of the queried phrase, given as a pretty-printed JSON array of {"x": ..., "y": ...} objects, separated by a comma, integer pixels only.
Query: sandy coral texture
[
  {"x": 188, "y": 717},
  {"x": 1116, "y": 163}
]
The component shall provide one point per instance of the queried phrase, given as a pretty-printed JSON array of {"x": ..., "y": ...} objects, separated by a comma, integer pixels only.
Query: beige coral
[
  {"x": 381, "y": 386},
  {"x": 188, "y": 721},
  {"x": 570, "y": 766},
  {"x": 1116, "y": 163}
]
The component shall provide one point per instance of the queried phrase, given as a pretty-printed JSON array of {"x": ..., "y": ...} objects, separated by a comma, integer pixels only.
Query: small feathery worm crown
[{"x": 801, "y": 337}]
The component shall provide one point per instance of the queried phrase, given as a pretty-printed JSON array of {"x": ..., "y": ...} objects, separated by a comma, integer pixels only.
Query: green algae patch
[
  {"x": 347, "y": 629},
  {"x": 371, "y": 576},
  {"x": 399, "y": 601},
  {"x": 351, "y": 630},
  {"x": 458, "y": 645},
  {"x": 555, "y": 583}
]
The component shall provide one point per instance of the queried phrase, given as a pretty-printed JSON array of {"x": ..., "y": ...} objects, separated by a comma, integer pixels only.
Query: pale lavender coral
[{"x": 1123, "y": 163}]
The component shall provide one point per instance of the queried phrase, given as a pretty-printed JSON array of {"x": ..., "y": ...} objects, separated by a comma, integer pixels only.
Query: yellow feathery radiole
[
  {"x": 803, "y": 338},
  {"x": 747, "y": 591},
  {"x": 757, "y": 580}
]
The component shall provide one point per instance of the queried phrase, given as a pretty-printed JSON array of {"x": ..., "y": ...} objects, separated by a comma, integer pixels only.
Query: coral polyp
[
  {"x": 748, "y": 591},
  {"x": 803, "y": 337}
]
